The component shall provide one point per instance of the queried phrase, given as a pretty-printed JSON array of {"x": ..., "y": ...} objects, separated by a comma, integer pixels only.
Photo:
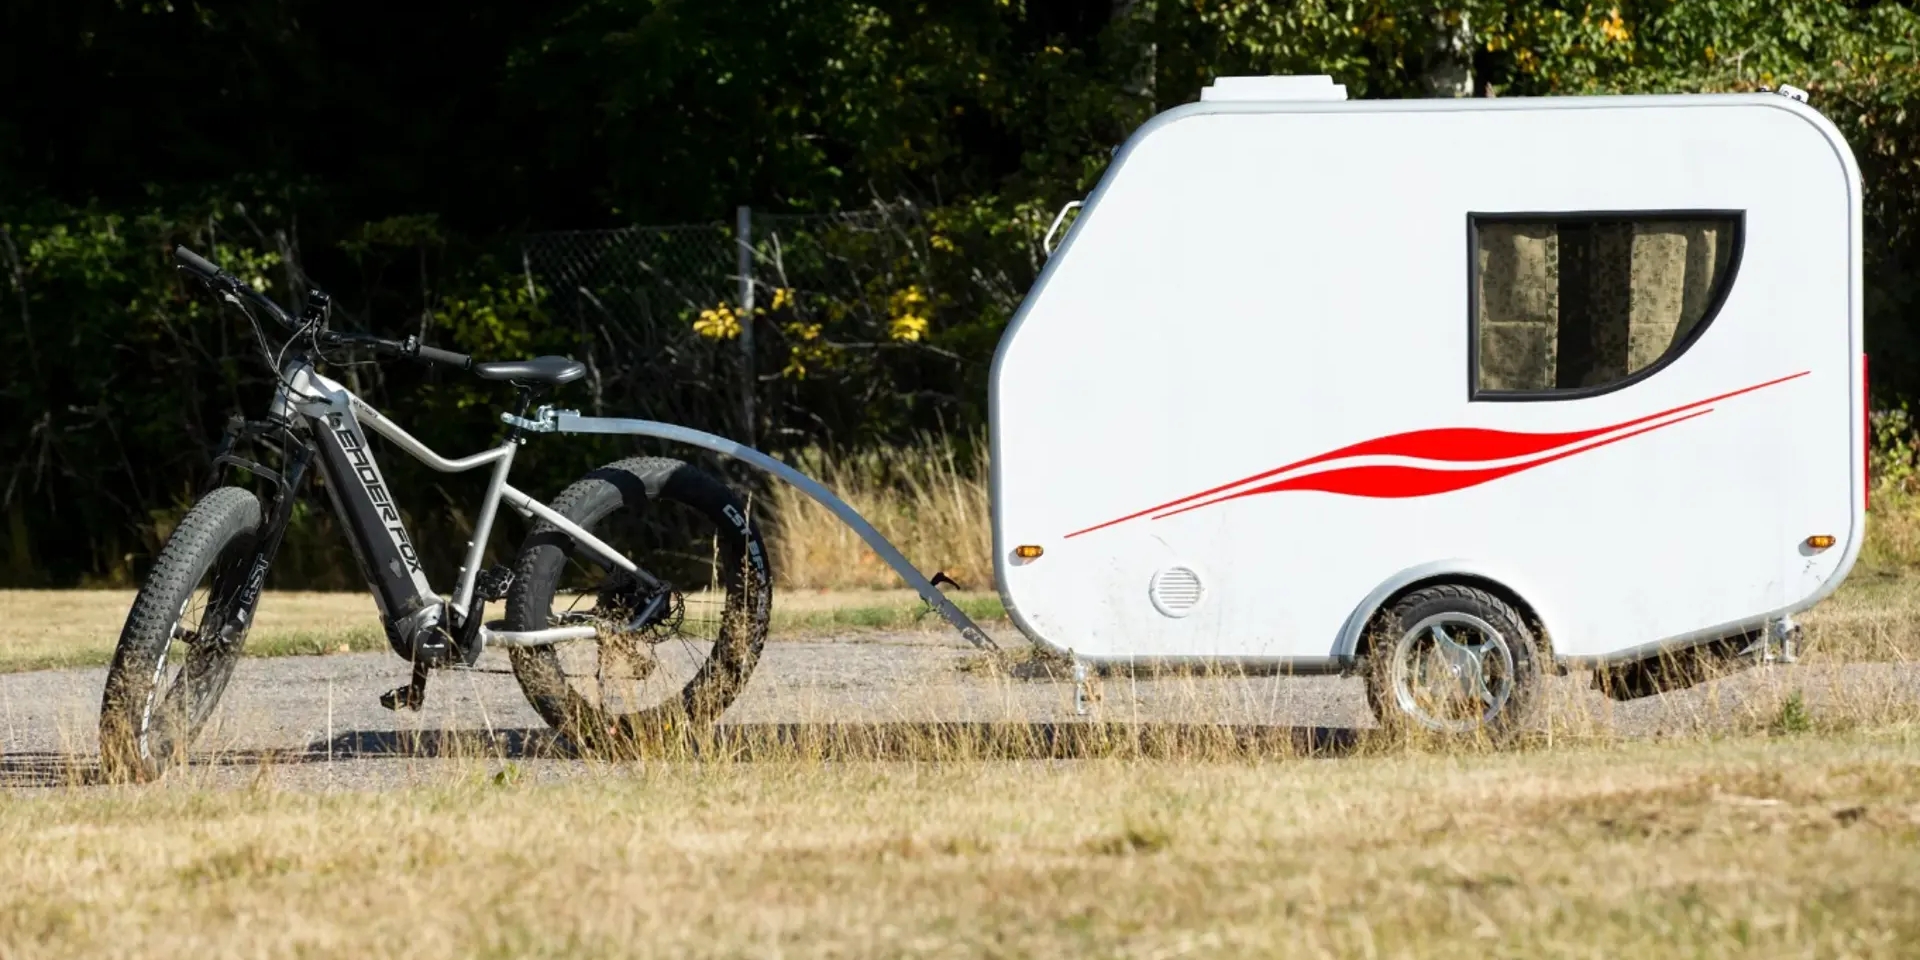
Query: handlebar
[
  {"x": 224, "y": 282},
  {"x": 410, "y": 347},
  {"x": 227, "y": 283}
]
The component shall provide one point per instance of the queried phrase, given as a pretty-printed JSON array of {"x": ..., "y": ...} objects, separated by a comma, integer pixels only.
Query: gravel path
[{"x": 315, "y": 722}]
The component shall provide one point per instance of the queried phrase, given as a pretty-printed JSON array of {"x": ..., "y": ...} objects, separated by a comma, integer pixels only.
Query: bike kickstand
[{"x": 410, "y": 696}]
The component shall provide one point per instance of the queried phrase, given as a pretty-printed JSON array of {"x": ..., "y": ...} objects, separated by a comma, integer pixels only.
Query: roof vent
[{"x": 1317, "y": 87}]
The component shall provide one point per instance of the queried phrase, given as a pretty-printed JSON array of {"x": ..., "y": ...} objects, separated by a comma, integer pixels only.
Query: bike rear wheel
[
  {"x": 172, "y": 662},
  {"x": 665, "y": 659}
]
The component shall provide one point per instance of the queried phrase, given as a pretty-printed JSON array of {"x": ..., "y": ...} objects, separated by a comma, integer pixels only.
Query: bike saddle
[{"x": 549, "y": 371}]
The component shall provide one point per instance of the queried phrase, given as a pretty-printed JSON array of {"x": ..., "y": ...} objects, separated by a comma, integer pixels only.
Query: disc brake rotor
[{"x": 629, "y": 621}]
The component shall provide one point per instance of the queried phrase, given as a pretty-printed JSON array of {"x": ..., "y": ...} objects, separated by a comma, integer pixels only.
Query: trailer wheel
[{"x": 1453, "y": 660}]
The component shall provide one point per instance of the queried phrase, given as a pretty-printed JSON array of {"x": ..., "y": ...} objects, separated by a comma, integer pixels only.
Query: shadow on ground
[{"x": 762, "y": 742}]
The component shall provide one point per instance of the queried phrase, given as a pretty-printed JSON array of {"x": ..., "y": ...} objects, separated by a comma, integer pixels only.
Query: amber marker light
[
  {"x": 1032, "y": 551},
  {"x": 1820, "y": 541}
]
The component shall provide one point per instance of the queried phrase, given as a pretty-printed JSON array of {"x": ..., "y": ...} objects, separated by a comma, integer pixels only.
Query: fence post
[{"x": 743, "y": 233}]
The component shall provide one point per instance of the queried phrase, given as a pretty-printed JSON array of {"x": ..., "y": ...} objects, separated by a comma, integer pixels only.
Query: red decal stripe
[
  {"x": 1446, "y": 444},
  {"x": 1392, "y": 482}
]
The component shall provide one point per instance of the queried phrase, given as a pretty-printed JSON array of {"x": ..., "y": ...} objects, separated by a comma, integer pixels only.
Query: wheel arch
[{"x": 1513, "y": 591}]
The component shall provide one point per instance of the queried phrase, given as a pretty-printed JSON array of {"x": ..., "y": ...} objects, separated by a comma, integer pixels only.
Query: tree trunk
[
  {"x": 1134, "y": 18},
  {"x": 1449, "y": 70}
]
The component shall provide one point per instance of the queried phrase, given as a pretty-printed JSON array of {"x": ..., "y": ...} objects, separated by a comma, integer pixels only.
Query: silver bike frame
[{"x": 325, "y": 404}]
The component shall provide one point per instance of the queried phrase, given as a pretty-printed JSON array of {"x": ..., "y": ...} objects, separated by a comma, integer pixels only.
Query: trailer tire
[{"x": 1497, "y": 670}]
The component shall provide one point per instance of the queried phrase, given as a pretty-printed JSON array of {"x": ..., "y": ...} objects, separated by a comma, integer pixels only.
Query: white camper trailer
[{"x": 1457, "y": 390}]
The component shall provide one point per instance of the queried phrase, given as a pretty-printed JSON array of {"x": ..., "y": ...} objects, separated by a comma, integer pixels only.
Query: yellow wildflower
[
  {"x": 808, "y": 349},
  {"x": 1614, "y": 28},
  {"x": 719, "y": 323},
  {"x": 909, "y": 310},
  {"x": 910, "y": 327}
]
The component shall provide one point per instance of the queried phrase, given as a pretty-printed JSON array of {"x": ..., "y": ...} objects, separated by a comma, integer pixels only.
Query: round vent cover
[{"x": 1176, "y": 591}]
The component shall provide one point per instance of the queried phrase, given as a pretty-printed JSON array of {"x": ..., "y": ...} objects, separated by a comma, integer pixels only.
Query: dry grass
[
  {"x": 1754, "y": 847},
  {"x": 1874, "y": 616},
  {"x": 930, "y": 500},
  {"x": 1893, "y": 531}
]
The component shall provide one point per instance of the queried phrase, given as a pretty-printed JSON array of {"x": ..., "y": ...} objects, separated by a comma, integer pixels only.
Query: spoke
[
  {"x": 1486, "y": 694},
  {"x": 693, "y": 657}
]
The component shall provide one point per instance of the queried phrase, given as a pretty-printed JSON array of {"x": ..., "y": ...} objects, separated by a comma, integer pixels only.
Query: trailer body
[{"x": 1298, "y": 355}]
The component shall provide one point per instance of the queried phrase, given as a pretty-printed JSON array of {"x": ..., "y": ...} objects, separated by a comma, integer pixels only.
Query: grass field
[
  {"x": 1790, "y": 834},
  {"x": 1791, "y": 846}
]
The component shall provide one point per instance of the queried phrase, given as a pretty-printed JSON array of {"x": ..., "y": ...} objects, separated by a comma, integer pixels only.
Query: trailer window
[{"x": 1580, "y": 304}]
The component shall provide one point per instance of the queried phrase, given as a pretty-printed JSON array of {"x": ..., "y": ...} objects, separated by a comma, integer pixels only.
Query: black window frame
[{"x": 1673, "y": 352}]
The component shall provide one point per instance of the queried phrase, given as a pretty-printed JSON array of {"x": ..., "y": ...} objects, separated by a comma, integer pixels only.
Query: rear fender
[{"x": 1514, "y": 585}]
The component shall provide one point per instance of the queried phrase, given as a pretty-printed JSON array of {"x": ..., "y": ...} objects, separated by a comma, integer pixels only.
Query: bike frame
[{"x": 329, "y": 422}]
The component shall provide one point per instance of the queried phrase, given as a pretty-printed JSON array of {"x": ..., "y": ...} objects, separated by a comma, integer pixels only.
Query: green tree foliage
[{"x": 394, "y": 152}]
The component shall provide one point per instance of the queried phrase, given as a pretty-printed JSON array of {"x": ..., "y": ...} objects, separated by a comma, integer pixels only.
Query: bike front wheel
[
  {"x": 176, "y": 652},
  {"x": 669, "y": 656}
]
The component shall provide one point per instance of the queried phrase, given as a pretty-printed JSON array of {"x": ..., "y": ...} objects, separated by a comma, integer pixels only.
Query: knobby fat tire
[{"x": 635, "y": 484}]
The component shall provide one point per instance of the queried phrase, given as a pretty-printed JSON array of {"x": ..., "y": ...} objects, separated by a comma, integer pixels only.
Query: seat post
[{"x": 527, "y": 394}]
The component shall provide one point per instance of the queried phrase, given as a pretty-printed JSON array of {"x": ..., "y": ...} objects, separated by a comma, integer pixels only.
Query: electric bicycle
[{"x": 638, "y": 601}]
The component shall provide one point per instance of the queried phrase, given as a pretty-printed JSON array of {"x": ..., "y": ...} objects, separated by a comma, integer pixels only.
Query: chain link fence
[
  {"x": 628, "y": 293},
  {"x": 780, "y": 329}
]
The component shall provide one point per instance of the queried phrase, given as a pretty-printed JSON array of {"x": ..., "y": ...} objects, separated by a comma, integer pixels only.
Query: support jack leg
[{"x": 1081, "y": 695}]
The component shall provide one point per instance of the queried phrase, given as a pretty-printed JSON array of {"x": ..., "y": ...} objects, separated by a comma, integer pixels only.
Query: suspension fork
[{"x": 296, "y": 456}]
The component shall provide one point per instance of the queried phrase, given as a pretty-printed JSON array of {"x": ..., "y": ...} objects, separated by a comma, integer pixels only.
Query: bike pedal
[
  {"x": 402, "y": 697},
  {"x": 411, "y": 696},
  {"x": 492, "y": 583}
]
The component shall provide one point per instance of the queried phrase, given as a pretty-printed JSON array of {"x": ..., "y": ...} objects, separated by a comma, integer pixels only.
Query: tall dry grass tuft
[
  {"x": 1893, "y": 531},
  {"x": 929, "y": 498},
  {"x": 1893, "y": 519}
]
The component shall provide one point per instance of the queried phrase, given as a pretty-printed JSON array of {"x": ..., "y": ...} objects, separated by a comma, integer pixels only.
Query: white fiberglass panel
[{"x": 1249, "y": 290}]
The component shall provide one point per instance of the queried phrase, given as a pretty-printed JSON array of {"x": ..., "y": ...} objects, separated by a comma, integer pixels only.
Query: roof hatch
[{"x": 1316, "y": 87}]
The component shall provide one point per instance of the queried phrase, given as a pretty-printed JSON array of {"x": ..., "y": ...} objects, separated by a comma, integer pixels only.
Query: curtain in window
[{"x": 1581, "y": 304}]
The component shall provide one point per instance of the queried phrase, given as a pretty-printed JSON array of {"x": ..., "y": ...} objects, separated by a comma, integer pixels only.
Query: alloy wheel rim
[{"x": 1453, "y": 672}]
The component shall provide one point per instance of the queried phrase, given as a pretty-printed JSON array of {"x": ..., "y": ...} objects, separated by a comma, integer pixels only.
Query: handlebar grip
[
  {"x": 448, "y": 357},
  {"x": 197, "y": 263}
]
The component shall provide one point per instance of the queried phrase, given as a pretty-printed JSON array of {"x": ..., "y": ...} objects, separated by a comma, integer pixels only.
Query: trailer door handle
[{"x": 1057, "y": 220}]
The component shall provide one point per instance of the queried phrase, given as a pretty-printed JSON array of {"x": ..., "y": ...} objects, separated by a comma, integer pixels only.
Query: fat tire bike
[{"x": 637, "y": 605}]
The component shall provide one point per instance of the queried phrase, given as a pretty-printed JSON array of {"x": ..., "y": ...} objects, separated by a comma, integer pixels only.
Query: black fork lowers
[{"x": 295, "y": 457}]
